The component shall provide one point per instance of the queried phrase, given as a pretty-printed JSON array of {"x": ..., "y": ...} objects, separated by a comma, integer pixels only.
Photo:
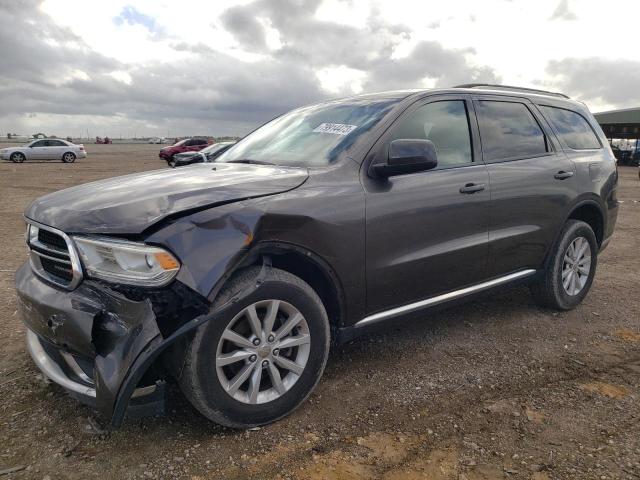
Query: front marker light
[{"x": 131, "y": 263}]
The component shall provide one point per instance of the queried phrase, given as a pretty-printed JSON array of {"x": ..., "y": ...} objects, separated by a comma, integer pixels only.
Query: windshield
[
  {"x": 181, "y": 142},
  {"x": 311, "y": 136}
]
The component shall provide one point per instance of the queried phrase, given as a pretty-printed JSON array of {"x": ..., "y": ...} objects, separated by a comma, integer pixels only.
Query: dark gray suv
[{"x": 234, "y": 278}]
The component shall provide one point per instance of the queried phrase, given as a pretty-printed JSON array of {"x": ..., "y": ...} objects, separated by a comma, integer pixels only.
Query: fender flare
[
  {"x": 580, "y": 203},
  {"x": 273, "y": 248}
]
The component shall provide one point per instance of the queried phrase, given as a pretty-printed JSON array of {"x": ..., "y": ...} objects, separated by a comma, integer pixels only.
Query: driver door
[
  {"x": 37, "y": 150},
  {"x": 427, "y": 232}
]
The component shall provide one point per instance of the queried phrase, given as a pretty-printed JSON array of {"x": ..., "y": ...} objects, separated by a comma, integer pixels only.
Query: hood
[{"x": 131, "y": 204}]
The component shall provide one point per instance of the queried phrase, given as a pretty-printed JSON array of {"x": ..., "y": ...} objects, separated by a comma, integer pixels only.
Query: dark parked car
[
  {"x": 328, "y": 220},
  {"x": 208, "y": 154},
  {"x": 186, "y": 145}
]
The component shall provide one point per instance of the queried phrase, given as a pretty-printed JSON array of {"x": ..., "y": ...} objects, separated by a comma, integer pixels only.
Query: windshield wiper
[{"x": 251, "y": 162}]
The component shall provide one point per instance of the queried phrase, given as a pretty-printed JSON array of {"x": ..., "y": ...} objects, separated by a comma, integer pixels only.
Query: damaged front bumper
[
  {"x": 88, "y": 340},
  {"x": 55, "y": 365}
]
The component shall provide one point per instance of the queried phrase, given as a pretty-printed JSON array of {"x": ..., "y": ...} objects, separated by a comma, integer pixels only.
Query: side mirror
[{"x": 407, "y": 156}]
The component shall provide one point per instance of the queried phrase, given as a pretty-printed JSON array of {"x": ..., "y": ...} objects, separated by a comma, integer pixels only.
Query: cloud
[
  {"x": 319, "y": 44},
  {"x": 598, "y": 80},
  {"x": 246, "y": 27},
  {"x": 563, "y": 12},
  {"x": 55, "y": 82},
  {"x": 428, "y": 60}
]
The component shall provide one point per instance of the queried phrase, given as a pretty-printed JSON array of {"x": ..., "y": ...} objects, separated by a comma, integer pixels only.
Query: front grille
[
  {"x": 52, "y": 239},
  {"x": 52, "y": 257},
  {"x": 60, "y": 270}
]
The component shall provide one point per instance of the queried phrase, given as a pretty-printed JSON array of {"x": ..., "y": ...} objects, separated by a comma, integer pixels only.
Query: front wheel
[
  {"x": 263, "y": 359},
  {"x": 69, "y": 157},
  {"x": 17, "y": 157},
  {"x": 570, "y": 270}
]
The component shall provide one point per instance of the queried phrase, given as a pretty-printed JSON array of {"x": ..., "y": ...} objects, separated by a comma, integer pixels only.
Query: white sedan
[{"x": 45, "y": 149}]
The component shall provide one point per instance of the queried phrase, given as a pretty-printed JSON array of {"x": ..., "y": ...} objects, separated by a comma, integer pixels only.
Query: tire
[
  {"x": 17, "y": 157},
  {"x": 202, "y": 377},
  {"x": 69, "y": 157},
  {"x": 551, "y": 291},
  {"x": 171, "y": 163}
]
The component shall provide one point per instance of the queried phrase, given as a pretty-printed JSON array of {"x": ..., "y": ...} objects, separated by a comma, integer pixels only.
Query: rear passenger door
[
  {"x": 533, "y": 183},
  {"x": 196, "y": 144},
  {"x": 55, "y": 149}
]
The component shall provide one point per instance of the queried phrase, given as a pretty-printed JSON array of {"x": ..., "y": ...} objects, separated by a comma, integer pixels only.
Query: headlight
[{"x": 119, "y": 261}]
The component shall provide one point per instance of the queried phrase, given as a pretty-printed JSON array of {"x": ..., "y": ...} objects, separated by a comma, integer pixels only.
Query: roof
[
  {"x": 625, "y": 115},
  {"x": 470, "y": 88}
]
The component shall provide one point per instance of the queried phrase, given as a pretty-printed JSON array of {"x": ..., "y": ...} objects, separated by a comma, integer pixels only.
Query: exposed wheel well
[
  {"x": 310, "y": 270},
  {"x": 591, "y": 215}
]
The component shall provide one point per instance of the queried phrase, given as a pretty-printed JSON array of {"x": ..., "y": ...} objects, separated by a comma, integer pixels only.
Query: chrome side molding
[{"x": 412, "y": 307}]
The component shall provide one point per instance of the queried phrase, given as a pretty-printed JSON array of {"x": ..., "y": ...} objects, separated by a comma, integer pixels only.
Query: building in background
[{"x": 622, "y": 128}]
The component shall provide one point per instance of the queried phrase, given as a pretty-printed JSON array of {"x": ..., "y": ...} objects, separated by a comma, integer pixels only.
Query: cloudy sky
[{"x": 168, "y": 68}]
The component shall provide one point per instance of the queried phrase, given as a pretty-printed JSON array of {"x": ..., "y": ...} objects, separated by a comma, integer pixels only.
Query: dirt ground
[{"x": 493, "y": 389}]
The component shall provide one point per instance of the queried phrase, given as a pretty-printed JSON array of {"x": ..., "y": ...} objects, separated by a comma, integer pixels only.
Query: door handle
[
  {"x": 472, "y": 188},
  {"x": 561, "y": 175}
]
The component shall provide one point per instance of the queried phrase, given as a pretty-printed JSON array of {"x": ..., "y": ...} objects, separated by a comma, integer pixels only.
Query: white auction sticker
[{"x": 335, "y": 128}]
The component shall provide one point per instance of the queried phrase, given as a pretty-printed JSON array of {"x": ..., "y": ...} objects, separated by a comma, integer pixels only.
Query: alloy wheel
[
  {"x": 263, "y": 351},
  {"x": 576, "y": 266}
]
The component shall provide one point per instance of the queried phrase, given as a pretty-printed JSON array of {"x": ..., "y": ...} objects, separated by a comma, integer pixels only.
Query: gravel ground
[{"x": 492, "y": 389}]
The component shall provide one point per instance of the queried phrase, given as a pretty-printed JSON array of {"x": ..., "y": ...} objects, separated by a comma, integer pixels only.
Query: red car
[{"x": 186, "y": 145}]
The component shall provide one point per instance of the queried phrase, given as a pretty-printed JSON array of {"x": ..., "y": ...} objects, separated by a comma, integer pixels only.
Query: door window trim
[
  {"x": 550, "y": 138},
  {"x": 474, "y": 135}
]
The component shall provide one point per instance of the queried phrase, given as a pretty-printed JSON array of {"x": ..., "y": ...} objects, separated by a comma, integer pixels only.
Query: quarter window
[
  {"x": 509, "y": 130},
  {"x": 446, "y": 124},
  {"x": 573, "y": 129}
]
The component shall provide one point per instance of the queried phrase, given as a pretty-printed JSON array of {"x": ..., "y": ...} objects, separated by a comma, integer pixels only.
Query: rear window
[
  {"x": 573, "y": 129},
  {"x": 509, "y": 130}
]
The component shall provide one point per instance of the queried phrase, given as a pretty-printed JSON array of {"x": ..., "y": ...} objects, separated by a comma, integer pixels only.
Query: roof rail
[{"x": 509, "y": 87}]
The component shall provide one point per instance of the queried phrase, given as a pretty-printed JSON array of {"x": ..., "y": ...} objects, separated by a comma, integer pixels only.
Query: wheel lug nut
[
  {"x": 265, "y": 363},
  {"x": 276, "y": 351},
  {"x": 271, "y": 338},
  {"x": 253, "y": 358},
  {"x": 256, "y": 341}
]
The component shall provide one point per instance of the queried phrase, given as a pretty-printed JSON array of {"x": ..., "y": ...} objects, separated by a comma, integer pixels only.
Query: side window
[
  {"x": 446, "y": 124},
  {"x": 509, "y": 130},
  {"x": 55, "y": 143},
  {"x": 40, "y": 143},
  {"x": 573, "y": 129}
]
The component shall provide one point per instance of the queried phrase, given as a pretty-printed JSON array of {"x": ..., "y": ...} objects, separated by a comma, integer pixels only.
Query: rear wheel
[
  {"x": 17, "y": 157},
  {"x": 262, "y": 360},
  {"x": 69, "y": 157},
  {"x": 570, "y": 271}
]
